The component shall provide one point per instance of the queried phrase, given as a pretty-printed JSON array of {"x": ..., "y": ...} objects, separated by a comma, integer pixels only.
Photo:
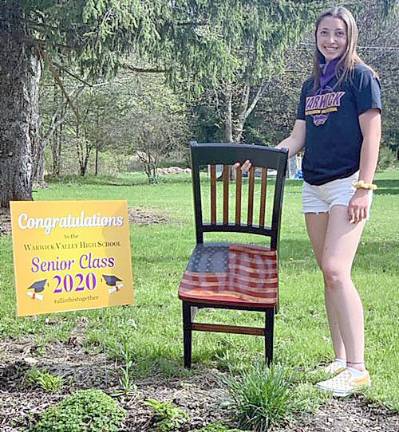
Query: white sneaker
[{"x": 345, "y": 384}]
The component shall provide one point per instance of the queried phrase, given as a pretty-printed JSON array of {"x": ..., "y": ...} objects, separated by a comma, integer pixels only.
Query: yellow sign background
[{"x": 71, "y": 255}]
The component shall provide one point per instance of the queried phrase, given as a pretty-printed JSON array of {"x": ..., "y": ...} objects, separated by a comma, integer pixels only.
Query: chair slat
[
  {"x": 263, "y": 191},
  {"x": 213, "y": 194},
  {"x": 222, "y": 328},
  {"x": 226, "y": 179},
  {"x": 238, "y": 195},
  {"x": 251, "y": 185}
]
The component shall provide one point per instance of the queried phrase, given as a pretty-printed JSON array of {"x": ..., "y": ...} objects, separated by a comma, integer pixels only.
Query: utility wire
[{"x": 382, "y": 48}]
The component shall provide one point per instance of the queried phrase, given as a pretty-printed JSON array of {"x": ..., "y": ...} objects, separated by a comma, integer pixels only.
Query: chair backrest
[{"x": 263, "y": 160}]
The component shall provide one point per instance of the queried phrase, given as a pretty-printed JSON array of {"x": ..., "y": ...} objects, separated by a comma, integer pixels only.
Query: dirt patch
[
  {"x": 202, "y": 395},
  {"x": 346, "y": 415},
  {"x": 140, "y": 216},
  {"x": 173, "y": 170},
  {"x": 137, "y": 216}
]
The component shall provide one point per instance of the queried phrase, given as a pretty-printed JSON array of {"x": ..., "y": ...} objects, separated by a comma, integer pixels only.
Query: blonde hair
[{"x": 350, "y": 58}]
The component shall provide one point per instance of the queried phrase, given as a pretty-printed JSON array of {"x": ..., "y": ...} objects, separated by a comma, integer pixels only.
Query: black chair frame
[{"x": 227, "y": 155}]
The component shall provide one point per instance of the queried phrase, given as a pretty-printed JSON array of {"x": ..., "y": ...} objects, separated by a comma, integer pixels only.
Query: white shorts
[{"x": 320, "y": 199}]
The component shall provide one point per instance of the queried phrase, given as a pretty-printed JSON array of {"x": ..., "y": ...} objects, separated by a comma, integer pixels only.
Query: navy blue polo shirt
[{"x": 333, "y": 135}]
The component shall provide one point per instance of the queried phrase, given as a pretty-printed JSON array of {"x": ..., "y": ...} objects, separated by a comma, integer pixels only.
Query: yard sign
[{"x": 71, "y": 255}]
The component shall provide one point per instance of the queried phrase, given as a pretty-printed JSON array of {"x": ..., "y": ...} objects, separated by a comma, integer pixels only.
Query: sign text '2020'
[{"x": 77, "y": 282}]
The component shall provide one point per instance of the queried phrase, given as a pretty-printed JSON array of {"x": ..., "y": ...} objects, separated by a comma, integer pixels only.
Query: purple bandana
[{"x": 328, "y": 72}]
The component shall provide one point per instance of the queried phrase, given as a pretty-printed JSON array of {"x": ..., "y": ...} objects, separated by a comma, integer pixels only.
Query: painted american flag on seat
[{"x": 239, "y": 274}]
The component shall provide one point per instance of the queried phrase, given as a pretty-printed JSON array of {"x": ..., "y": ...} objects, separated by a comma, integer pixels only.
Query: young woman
[{"x": 339, "y": 126}]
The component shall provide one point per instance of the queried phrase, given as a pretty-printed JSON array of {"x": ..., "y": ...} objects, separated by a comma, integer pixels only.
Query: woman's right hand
[{"x": 245, "y": 167}]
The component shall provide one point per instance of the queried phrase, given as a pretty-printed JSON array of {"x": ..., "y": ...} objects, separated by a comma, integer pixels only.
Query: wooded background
[{"x": 104, "y": 86}]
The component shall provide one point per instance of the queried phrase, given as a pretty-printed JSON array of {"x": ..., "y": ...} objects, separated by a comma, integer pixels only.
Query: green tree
[
  {"x": 160, "y": 120},
  {"x": 134, "y": 114},
  {"x": 56, "y": 120},
  {"x": 265, "y": 66},
  {"x": 91, "y": 34},
  {"x": 379, "y": 48}
]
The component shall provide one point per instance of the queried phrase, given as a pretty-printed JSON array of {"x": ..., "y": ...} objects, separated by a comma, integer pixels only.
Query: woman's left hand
[{"x": 358, "y": 206}]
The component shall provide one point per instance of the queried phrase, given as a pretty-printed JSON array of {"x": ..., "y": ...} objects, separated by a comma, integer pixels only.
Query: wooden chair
[{"x": 231, "y": 275}]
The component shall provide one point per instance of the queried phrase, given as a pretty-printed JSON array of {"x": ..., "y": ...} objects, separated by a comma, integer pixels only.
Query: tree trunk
[
  {"x": 56, "y": 147},
  {"x": 86, "y": 150},
  {"x": 242, "y": 113},
  {"x": 97, "y": 146},
  {"x": 83, "y": 168},
  {"x": 37, "y": 143},
  {"x": 96, "y": 161},
  {"x": 228, "y": 120},
  {"x": 245, "y": 108},
  {"x": 19, "y": 75},
  {"x": 54, "y": 133}
]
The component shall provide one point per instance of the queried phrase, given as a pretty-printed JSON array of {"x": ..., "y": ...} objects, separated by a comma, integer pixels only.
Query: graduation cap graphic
[
  {"x": 36, "y": 288},
  {"x": 113, "y": 282}
]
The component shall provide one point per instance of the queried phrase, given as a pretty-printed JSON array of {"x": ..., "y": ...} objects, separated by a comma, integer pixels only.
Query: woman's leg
[
  {"x": 340, "y": 245},
  {"x": 316, "y": 224}
]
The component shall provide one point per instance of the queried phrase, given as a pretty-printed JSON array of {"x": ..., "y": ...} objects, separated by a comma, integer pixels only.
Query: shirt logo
[{"x": 321, "y": 105}]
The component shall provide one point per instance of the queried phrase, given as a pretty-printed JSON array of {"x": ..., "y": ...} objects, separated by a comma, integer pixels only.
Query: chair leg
[
  {"x": 187, "y": 334},
  {"x": 269, "y": 331}
]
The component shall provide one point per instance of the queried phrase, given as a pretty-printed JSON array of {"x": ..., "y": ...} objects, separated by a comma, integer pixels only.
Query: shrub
[
  {"x": 167, "y": 417},
  {"x": 86, "y": 410},
  {"x": 261, "y": 397},
  {"x": 45, "y": 380}
]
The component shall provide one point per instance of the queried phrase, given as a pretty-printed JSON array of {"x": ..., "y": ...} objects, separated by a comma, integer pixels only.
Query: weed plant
[
  {"x": 261, "y": 397},
  {"x": 167, "y": 417},
  {"x": 48, "y": 382},
  {"x": 124, "y": 352}
]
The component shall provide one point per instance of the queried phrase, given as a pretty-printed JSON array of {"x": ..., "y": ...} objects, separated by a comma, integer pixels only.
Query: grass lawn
[{"x": 151, "y": 329}]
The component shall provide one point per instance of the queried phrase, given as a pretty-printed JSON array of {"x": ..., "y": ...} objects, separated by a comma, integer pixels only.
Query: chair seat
[{"x": 234, "y": 274}]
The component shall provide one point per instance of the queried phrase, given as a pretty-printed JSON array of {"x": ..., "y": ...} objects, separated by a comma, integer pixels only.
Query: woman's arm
[
  {"x": 293, "y": 143},
  {"x": 370, "y": 125}
]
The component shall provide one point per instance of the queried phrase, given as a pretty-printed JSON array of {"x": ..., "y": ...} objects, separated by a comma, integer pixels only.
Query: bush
[
  {"x": 261, "y": 397},
  {"x": 86, "y": 410}
]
